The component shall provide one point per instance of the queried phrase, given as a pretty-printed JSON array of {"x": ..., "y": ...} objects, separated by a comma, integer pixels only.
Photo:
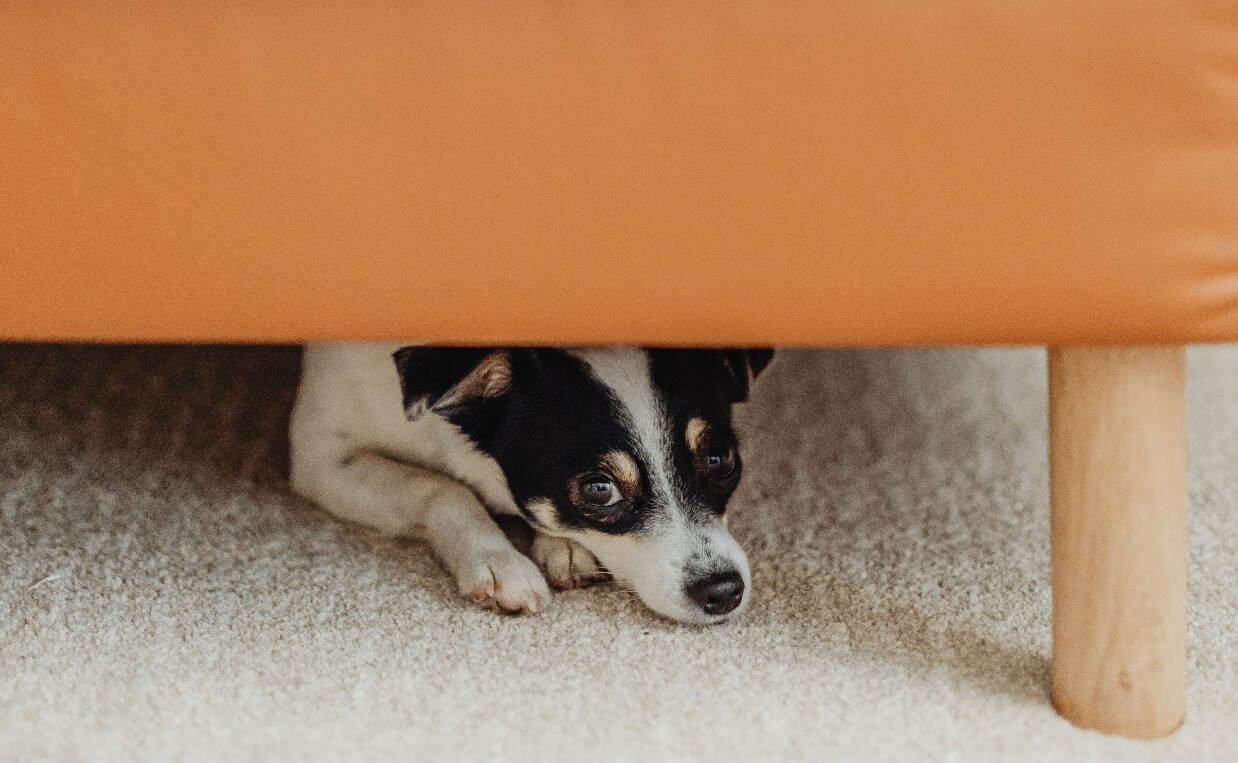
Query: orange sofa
[{"x": 673, "y": 172}]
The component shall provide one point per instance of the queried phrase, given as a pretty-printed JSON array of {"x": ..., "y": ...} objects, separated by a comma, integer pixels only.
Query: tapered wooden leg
[{"x": 1117, "y": 474}]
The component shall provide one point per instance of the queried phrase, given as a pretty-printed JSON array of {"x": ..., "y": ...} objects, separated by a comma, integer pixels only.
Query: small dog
[{"x": 621, "y": 459}]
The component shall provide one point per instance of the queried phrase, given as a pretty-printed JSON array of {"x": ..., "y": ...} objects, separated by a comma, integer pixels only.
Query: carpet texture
[{"x": 163, "y": 596}]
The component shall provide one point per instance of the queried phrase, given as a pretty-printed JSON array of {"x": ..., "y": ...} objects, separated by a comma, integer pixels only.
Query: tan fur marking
[
  {"x": 696, "y": 435},
  {"x": 625, "y": 471},
  {"x": 544, "y": 511}
]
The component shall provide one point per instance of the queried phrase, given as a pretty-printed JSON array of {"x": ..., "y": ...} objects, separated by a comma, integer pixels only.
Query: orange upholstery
[{"x": 661, "y": 171}]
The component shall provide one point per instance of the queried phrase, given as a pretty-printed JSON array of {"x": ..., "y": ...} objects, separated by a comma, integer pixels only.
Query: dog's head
[{"x": 629, "y": 452}]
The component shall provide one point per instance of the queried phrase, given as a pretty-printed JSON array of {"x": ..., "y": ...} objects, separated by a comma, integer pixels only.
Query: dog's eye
[
  {"x": 599, "y": 491},
  {"x": 720, "y": 463}
]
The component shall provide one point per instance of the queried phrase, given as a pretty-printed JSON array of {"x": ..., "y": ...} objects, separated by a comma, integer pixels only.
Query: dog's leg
[
  {"x": 567, "y": 564},
  {"x": 401, "y": 499}
]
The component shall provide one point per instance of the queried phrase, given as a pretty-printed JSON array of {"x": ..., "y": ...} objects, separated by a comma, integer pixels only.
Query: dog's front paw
[
  {"x": 567, "y": 563},
  {"x": 506, "y": 579}
]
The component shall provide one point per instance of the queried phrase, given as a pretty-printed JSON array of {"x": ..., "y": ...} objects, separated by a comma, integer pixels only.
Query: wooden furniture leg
[{"x": 1117, "y": 475}]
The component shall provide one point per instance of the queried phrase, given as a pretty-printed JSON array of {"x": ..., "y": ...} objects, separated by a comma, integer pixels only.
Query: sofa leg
[{"x": 1117, "y": 476}]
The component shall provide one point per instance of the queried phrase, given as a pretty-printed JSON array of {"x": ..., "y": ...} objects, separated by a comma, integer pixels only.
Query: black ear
[
  {"x": 445, "y": 379},
  {"x": 741, "y": 367},
  {"x": 731, "y": 370}
]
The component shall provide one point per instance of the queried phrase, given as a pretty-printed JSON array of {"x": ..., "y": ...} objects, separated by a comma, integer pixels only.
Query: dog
[{"x": 620, "y": 459}]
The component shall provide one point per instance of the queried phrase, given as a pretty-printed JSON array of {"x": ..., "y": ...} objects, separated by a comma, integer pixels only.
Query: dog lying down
[{"x": 621, "y": 459}]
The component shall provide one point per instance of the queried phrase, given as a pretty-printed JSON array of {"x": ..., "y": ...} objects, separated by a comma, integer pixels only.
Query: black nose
[{"x": 717, "y": 594}]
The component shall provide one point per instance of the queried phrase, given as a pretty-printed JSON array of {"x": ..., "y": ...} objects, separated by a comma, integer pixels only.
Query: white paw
[
  {"x": 505, "y": 578},
  {"x": 567, "y": 563}
]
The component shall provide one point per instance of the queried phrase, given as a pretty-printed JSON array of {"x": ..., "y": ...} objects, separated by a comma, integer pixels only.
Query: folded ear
[
  {"x": 446, "y": 379},
  {"x": 742, "y": 367}
]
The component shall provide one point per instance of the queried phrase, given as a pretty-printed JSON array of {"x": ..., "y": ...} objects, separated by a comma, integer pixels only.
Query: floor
[{"x": 163, "y": 595}]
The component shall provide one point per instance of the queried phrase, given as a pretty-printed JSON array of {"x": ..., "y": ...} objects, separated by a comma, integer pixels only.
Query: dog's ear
[
  {"x": 742, "y": 367},
  {"x": 446, "y": 379},
  {"x": 731, "y": 370}
]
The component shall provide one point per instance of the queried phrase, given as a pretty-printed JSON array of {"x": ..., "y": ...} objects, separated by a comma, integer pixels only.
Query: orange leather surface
[{"x": 662, "y": 171}]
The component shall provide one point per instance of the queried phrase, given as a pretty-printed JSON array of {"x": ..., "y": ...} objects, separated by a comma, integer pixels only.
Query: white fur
[{"x": 353, "y": 451}]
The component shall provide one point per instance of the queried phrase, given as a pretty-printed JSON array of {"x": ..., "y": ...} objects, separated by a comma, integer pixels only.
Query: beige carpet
[{"x": 162, "y": 596}]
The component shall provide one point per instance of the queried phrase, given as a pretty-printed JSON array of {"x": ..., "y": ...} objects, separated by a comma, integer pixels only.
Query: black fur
[
  {"x": 429, "y": 373},
  {"x": 556, "y": 422}
]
